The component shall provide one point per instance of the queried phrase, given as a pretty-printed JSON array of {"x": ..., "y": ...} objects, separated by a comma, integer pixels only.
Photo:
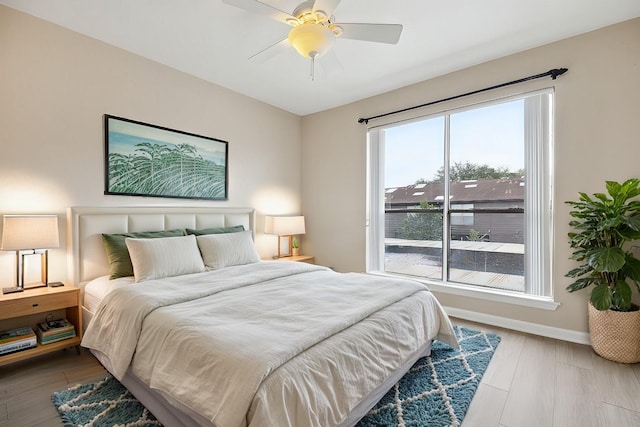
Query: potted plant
[
  {"x": 295, "y": 247},
  {"x": 605, "y": 225}
]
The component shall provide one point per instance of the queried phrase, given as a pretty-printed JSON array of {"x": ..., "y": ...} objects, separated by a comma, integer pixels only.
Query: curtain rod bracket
[
  {"x": 552, "y": 73},
  {"x": 557, "y": 72}
]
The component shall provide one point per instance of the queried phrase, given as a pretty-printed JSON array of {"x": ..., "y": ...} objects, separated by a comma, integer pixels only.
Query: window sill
[{"x": 487, "y": 294}]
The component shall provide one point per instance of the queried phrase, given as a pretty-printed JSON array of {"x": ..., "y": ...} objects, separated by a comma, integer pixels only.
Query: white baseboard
[{"x": 519, "y": 325}]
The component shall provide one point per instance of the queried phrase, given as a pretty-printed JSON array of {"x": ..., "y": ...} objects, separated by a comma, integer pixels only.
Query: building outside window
[
  {"x": 462, "y": 198},
  {"x": 462, "y": 218}
]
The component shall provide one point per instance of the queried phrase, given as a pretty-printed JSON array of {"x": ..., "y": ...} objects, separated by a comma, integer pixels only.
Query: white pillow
[
  {"x": 164, "y": 257},
  {"x": 224, "y": 250}
]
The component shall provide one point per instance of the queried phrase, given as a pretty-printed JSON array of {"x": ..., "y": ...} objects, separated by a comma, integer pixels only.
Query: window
[
  {"x": 470, "y": 206},
  {"x": 462, "y": 218}
]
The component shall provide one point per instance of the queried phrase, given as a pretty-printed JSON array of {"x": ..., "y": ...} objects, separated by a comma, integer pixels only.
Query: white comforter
[{"x": 261, "y": 344}]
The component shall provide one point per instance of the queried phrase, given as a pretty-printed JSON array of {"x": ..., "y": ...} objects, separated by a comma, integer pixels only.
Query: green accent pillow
[
  {"x": 118, "y": 254},
  {"x": 222, "y": 230}
]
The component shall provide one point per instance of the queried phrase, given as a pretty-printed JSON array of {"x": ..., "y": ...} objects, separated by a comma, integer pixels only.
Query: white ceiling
[{"x": 212, "y": 40}]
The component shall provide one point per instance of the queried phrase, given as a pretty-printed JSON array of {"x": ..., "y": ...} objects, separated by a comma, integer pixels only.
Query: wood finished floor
[{"x": 531, "y": 381}]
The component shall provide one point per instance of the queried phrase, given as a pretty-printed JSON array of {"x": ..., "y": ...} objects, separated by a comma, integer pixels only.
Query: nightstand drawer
[{"x": 37, "y": 304}]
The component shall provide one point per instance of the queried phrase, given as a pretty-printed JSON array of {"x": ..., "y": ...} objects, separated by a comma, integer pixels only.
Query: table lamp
[
  {"x": 284, "y": 227},
  {"x": 29, "y": 235}
]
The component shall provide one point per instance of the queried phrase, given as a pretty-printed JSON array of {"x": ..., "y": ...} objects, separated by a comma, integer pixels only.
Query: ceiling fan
[{"x": 314, "y": 29}]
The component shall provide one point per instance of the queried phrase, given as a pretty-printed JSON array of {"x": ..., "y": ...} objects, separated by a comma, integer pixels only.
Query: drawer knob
[{"x": 34, "y": 305}]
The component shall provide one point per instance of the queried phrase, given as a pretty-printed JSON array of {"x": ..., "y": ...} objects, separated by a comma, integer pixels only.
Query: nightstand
[
  {"x": 302, "y": 258},
  {"x": 310, "y": 259},
  {"x": 31, "y": 307}
]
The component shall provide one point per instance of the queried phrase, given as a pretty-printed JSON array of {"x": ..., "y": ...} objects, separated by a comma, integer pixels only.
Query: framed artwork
[{"x": 147, "y": 160}]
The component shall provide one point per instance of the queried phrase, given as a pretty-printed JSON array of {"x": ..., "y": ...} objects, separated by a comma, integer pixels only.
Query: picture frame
[{"x": 143, "y": 159}]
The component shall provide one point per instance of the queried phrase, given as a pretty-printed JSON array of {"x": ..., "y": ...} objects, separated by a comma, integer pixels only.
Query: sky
[{"x": 492, "y": 135}]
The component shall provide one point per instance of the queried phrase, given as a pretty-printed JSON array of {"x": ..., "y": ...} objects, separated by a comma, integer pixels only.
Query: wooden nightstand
[
  {"x": 31, "y": 307},
  {"x": 302, "y": 258},
  {"x": 298, "y": 258}
]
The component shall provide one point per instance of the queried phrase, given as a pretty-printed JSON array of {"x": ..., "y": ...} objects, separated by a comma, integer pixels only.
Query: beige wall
[
  {"x": 55, "y": 86},
  {"x": 597, "y": 128}
]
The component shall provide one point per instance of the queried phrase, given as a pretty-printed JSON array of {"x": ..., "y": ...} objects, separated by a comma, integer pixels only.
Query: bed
[{"x": 242, "y": 342}]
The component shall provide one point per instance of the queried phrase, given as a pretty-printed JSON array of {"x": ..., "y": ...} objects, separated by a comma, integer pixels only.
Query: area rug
[
  {"x": 436, "y": 392},
  {"x": 103, "y": 404}
]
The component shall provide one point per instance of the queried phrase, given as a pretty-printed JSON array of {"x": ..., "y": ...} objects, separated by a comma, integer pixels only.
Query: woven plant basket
[{"x": 615, "y": 335}]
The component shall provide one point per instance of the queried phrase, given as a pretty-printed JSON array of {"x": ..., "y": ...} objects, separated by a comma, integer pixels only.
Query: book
[
  {"x": 54, "y": 327},
  {"x": 55, "y": 330},
  {"x": 15, "y": 335},
  {"x": 58, "y": 337},
  {"x": 14, "y": 346}
]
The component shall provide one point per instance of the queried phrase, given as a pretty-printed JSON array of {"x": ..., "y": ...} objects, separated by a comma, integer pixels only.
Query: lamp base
[
  {"x": 11, "y": 290},
  {"x": 288, "y": 237}
]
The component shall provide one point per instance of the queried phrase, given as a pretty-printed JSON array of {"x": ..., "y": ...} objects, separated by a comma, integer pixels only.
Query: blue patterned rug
[
  {"x": 436, "y": 392},
  {"x": 103, "y": 404}
]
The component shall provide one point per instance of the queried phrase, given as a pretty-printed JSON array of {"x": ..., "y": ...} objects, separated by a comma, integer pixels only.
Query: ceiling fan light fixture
[
  {"x": 293, "y": 22},
  {"x": 311, "y": 38}
]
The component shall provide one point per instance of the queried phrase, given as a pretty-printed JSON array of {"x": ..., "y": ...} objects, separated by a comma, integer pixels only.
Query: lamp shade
[
  {"x": 22, "y": 232},
  {"x": 311, "y": 39},
  {"x": 284, "y": 225}
]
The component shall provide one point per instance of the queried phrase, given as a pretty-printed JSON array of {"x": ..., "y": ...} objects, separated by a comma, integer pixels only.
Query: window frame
[{"x": 538, "y": 198}]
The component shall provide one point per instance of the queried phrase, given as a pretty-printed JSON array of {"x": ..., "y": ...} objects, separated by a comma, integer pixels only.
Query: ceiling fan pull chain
[{"x": 313, "y": 65}]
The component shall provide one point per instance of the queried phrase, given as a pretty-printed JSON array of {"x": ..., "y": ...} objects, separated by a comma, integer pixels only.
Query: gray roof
[{"x": 472, "y": 191}]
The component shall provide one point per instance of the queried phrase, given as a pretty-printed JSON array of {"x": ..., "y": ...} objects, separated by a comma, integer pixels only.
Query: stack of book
[
  {"x": 17, "y": 339},
  {"x": 55, "y": 330}
]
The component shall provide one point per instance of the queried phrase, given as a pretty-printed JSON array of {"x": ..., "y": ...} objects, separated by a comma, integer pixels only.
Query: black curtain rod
[{"x": 553, "y": 73}]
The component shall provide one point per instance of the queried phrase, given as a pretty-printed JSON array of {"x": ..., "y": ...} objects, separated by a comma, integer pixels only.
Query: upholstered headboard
[{"x": 86, "y": 255}]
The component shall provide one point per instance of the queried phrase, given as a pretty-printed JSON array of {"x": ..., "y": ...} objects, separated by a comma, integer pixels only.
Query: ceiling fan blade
[
  {"x": 327, "y": 6},
  {"x": 271, "y": 51},
  {"x": 380, "y": 33},
  {"x": 262, "y": 9}
]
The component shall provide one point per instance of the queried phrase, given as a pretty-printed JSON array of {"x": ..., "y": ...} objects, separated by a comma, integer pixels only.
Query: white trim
[
  {"x": 479, "y": 292},
  {"x": 497, "y": 295},
  {"x": 375, "y": 199},
  {"x": 521, "y": 326}
]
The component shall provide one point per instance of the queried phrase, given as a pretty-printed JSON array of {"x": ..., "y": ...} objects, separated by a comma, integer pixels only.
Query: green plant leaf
[
  {"x": 633, "y": 221},
  {"x": 633, "y": 206},
  {"x": 611, "y": 223},
  {"x": 584, "y": 197},
  {"x": 579, "y": 271},
  {"x": 621, "y": 296},
  {"x": 613, "y": 188},
  {"x": 601, "y": 297},
  {"x": 631, "y": 268},
  {"x": 629, "y": 234},
  {"x": 606, "y": 259},
  {"x": 579, "y": 255},
  {"x": 580, "y": 284},
  {"x": 602, "y": 197}
]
